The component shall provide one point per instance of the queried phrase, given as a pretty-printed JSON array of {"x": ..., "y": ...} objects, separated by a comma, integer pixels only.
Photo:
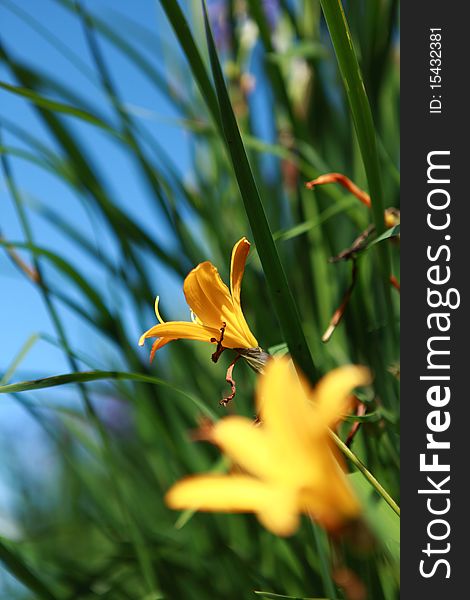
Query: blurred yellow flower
[
  {"x": 288, "y": 465},
  {"x": 217, "y": 315}
]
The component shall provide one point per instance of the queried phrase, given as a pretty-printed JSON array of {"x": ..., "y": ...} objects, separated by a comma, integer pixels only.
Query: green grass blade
[
  {"x": 281, "y": 294},
  {"x": 87, "y": 376},
  {"x": 321, "y": 543},
  {"x": 53, "y": 40},
  {"x": 23, "y": 573},
  {"x": 358, "y": 101},
  {"x": 363, "y": 123},
  {"x": 183, "y": 33},
  {"x": 68, "y": 271},
  {"x": 365, "y": 472},
  {"x": 57, "y": 107},
  {"x": 85, "y": 179},
  {"x": 18, "y": 359},
  {"x": 271, "y": 596},
  {"x": 272, "y": 68},
  {"x": 382, "y": 519},
  {"x": 392, "y": 232},
  {"x": 306, "y": 226}
]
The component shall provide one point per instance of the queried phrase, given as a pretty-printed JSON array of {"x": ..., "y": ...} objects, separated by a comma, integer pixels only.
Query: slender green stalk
[
  {"x": 18, "y": 359},
  {"x": 86, "y": 376},
  {"x": 367, "y": 474}
]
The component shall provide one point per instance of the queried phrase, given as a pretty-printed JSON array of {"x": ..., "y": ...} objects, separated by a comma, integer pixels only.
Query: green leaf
[
  {"x": 87, "y": 376},
  {"x": 363, "y": 123},
  {"x": 69, "y": 271},
  {"x": 23, "y": 573},
  {"x": 380, "y": 516},
  {"x": 183, "y": 33},
  {"x": 18, "y": 359},
  {"x": 278, "y": 350},
  {"x": 371, "y": 417},
  {"x": 392, "y": 232},
  {"x": 306, "y": 49},
  {"x": 358, "y": 101},
  {"x": 58, "y": 107},
  {"x": 301, "y": 228},
  {"x": 277, "y": 596}
]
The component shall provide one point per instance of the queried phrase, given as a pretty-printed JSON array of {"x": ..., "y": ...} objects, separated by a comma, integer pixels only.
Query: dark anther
[{"x": 220, "y": 348}]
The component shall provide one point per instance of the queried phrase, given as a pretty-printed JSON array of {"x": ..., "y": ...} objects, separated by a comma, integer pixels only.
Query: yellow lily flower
[
  {"x": 288, "y": 465},
  {"x": 216, "y": 311}
]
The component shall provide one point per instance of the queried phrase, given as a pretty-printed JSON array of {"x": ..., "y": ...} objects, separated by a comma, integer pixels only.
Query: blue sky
[
  {"x": 22, "y": 311},
  {"x": 46, "y": 37}
]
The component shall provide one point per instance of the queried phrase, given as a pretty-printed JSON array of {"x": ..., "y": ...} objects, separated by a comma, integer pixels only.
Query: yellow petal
[
  {"x": 247, "y": 445},
  {"x": 209, "y": 298},
  {"x": 333, "y": 390},
  {"x": 223, "y": 493},
  {"x": 179, "y": 329},
  {"x": 288, "y": 417},
  {"x": 159, "y": 343},
  {"x": 333, "y": 503},
  {"x": 237, "y": 267},
  {"x": 284, "y": 406},
  {"x": 276, "y": 508},
  {"x": 281, "y": 515}
]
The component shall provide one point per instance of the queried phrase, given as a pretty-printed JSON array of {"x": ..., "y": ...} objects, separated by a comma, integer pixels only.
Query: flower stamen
[
  {"x": 157, "y": 312},
  {"x": 216, "y": 355}
]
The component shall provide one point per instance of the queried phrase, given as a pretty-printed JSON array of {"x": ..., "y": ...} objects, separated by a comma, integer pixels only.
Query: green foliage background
[{"x": 102, "y": 530}]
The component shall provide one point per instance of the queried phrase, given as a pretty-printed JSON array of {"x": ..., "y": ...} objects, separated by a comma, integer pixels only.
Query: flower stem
[{"x": 367, "y": 474}]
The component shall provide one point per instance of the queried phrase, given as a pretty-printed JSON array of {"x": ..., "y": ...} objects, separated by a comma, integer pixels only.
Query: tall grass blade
[
  {"x": 363, "y": 123},
  {"x": 281, "y": 294},
  {"x": 87, "y": 376},
  {"x": 23, "y": 573}
]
